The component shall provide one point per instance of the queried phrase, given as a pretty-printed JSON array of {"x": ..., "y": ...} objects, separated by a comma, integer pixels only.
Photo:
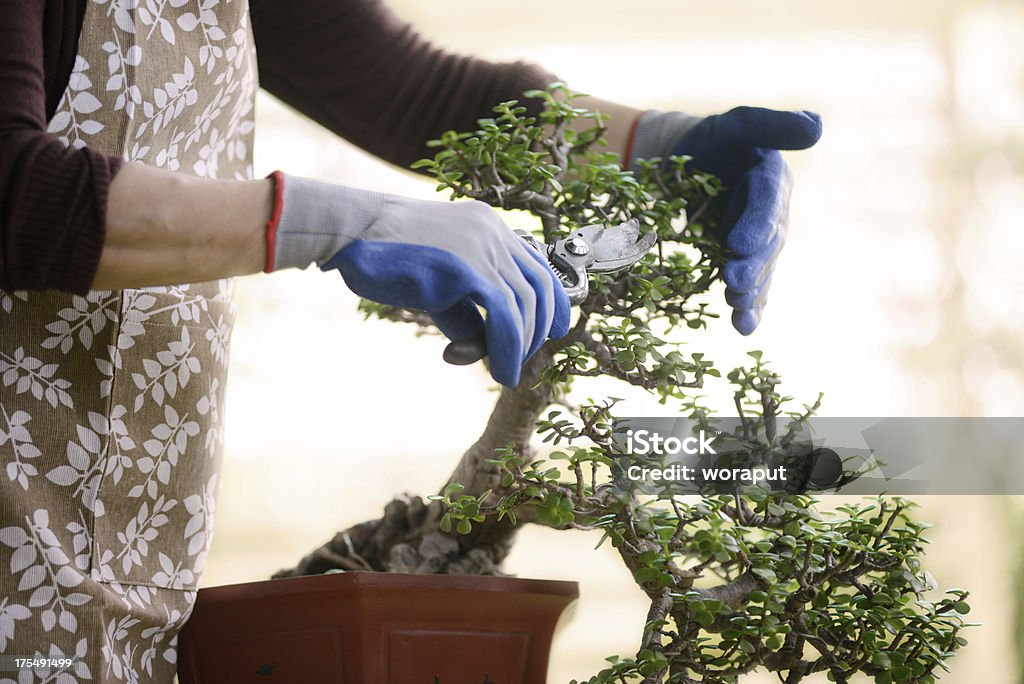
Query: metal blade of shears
[
  {"x": 596, "y": 249},
  {"x": 614, "y": 249}
]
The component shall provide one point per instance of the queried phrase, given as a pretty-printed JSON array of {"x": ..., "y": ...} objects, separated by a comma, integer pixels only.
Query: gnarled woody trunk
[{"x": 407, "y": 538}]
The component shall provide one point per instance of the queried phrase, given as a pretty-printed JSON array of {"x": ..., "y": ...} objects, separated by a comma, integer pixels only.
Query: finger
[
  {"x": 542, "y": 311},
  {"x": 561, "y": 308},
  {"x": 769, "y": 128},
  {"x": 504, "y": 332},
  {"x": 431, "y": 279},
  {"x": 525, "y": 298},
  {"x": 746, "y": 320},
  {"x": 461, "y": 322},
  {"x": 537, "y": 273},
  {"x": 758, "y": 207},
  {"x": 745, "y": 274},
  {"x": 560, "y": 322},
  {"x": 752, "y": 298}
]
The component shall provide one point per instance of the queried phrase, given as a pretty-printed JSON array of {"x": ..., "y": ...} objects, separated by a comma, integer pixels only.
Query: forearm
[
  {"x": 367, "y": 75},
  {"x": 164, "y": 228},
  {"x": 619, "y": 123}
]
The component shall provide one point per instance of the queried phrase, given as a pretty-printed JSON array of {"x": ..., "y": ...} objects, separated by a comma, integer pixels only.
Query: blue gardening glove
[
  {"x": 445, "y": 258},
  {"x": 742, "y": 148}
]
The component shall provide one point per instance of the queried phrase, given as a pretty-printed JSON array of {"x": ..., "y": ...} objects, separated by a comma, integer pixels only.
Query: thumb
[{"x": 769, "y": 128}]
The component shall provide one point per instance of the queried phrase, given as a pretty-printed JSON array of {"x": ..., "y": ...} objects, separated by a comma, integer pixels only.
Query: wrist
[
  {"x": 312, "y": 220},
  {"x": 656, "y": 134},
  {"x": 270, "y": 231},
  {"x": 241, "y": 248}
]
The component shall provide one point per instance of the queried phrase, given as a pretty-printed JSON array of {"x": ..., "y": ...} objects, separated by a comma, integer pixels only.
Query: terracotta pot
[{"x": 374, "y": 628}]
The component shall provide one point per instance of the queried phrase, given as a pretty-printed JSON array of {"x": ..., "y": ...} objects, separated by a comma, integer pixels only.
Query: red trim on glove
[
  {"x": 275, "y": 218},
  {"x": 629, "y": 142}
]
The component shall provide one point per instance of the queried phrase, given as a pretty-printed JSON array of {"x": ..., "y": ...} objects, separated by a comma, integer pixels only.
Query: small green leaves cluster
[
  {"x": 461, "y": 510},
  {"x": 553, "y": 164},
  {"x": 621, "y": 348},
  {"x": 743, "y": 582},
  {"x": 503, "y": 157},
  {"x": 738, "y": 582}
]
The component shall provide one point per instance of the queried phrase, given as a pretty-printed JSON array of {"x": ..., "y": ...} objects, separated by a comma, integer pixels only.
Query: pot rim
[{"x": 388, "y": 581}]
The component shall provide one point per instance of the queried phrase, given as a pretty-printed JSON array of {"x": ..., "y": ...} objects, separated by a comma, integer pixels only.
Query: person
[{"x": 127, "y": 204}]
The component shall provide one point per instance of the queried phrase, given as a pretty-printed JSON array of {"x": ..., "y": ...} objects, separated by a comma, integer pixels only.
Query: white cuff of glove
[
  {"x": 313, "y": 220},
  {"x": 656, "y": 134}
]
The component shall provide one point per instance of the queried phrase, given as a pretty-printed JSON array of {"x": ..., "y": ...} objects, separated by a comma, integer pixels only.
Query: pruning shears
[{"x": 597, "y": 248}]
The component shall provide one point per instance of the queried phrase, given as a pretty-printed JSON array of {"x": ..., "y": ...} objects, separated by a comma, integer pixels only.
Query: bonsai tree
[{"x": 737, "y": 581}]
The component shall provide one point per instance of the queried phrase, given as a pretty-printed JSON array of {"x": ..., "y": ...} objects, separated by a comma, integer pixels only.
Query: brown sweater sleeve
[
  {"x": 52, "y": 198},
  {"x": 365, "y": 74}
]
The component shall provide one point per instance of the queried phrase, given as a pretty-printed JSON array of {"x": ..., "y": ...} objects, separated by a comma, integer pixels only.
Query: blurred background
[{"x": 900, "y": 292}]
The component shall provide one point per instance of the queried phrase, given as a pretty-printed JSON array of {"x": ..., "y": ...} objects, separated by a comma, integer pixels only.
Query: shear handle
[{"x": 467, "y": 351}]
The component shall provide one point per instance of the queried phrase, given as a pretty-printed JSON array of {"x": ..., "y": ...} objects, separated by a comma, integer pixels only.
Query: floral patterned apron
[{"x": 111, "y": 403}]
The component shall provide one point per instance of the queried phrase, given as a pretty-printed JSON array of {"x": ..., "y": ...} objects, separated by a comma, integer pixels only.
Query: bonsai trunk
[{"x": 408, "y": 538}]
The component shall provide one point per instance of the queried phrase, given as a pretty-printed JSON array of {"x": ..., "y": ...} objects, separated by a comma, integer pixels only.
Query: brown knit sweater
[{"x": 351, "y": 65}]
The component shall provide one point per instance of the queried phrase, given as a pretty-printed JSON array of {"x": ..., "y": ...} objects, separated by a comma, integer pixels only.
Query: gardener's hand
[
  {"x": 445, "y": 258},
  {"x": 742, "y": 148}
]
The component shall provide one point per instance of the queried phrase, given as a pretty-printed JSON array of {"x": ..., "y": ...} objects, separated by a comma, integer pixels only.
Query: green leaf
[
  {"x": 452, "y": 489},
  {"x": 704, "y": 618}
]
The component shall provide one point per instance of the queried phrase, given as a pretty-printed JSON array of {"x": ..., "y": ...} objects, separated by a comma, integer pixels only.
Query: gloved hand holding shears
[
  {"x": 741, "y": 147},
  {"x": 445, "y": 258},
  {"x": 590, "y": 249}
]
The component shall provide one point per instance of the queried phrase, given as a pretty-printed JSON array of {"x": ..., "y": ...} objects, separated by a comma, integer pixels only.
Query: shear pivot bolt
[{"x": 577, "y": 246}]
